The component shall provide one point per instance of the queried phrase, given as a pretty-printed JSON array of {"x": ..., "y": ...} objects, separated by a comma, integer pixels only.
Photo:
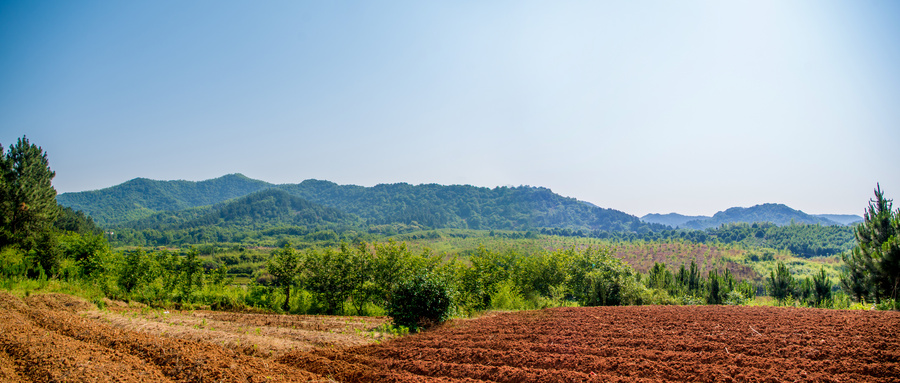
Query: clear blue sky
[{"x": 641, "y": 106}]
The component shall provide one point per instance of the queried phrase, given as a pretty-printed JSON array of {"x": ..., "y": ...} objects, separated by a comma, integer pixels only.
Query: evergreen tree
[
  {"x": 27, "y": 198},
  {"x": 781, "y": 283},
  {"x": 821, "y": 288},
  {"x": 873, "y": 266},
  {"x": 714, "y": 293}
]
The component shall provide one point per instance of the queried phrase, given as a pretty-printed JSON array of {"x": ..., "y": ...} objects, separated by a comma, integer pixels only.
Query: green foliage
[
  {"x": 821, "y": 289},
  {"x": 781, "y": 283},
  {"x": 420, "y": 302},
  {"x": 714, "y": 293},
  {"x": 873, "y": 266},
  {"x": 804, "y": 240},
  {"x": 332, "y": 276},
  {"x": 141, "y": 197},
  {"x": 70, "y": 220},
  {"x": 601, "y": 280},
  {"x": 135, "y": 270},
  {"x": 777, "y": 214},
  {"x": 27, "y": 200},
  {"x": 285, "y": 266}
]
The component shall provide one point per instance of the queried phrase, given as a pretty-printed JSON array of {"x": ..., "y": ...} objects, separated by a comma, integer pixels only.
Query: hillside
[
  {"x": 778, "y": 214},
  {"x": 137, "y": 204},
  {"x": 671, "y": 219},
  {"x": 465, "y": 206},
  {"x": 843, "y": 219},
  {"x": 262, "y": 209},
  {"x": 141, "y": 197}
]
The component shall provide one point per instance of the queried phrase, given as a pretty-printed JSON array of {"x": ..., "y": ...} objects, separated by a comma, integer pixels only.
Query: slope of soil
[
  {"x": 651, "y": 344},
  {"x": 42, "y": 344},
  {"x": 264, "y": 335}
]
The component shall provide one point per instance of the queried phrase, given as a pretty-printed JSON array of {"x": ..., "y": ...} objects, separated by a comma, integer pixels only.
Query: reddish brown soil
[
  {"x": 43, "y": 340},
  {"x": 651, "y": 344},
  {"x": 56, "y": 338}
]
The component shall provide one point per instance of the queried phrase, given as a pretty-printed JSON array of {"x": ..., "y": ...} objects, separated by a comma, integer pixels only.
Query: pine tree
[
  {"x": 821, "y": 288},
  {"x": 873, "y": 266},
  {"x": 781, "y": 283},
  {"x": 27, "y": 199}
]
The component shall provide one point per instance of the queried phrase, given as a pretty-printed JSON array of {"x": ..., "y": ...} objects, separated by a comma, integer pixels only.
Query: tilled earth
[
  {"x": 634, "y": 344},
  {"x": 57, "y": 338}
]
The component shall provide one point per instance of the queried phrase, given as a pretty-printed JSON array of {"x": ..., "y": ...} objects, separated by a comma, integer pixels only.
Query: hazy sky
[{"x": 641, "y": 106}]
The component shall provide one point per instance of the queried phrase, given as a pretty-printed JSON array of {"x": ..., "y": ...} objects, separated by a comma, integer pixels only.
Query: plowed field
[
  {"x": 634, "y": 344},
  {"x": 56, "y": 338}
]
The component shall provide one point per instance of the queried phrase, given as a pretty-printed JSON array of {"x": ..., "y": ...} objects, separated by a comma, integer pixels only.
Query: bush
[
  {"x": 421, "y": 302},
  {"x": 508, "y": 297}
]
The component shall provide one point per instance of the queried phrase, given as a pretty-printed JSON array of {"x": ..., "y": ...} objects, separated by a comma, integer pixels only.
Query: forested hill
[
  {"x": 775, "y": 213},
  {"x": 844, "y": 219},
  {"x": 423, "y": 206},
  {"x": 671, "y": 219},
  {"x": 141, "y": 197},
  {"x": 465, "y": 206},
  {"x": 259, "y": 210}
]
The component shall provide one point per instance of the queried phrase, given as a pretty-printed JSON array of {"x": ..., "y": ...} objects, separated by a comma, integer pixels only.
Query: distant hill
[
  {"x": 141, "y": 197},
  {"x": 259, "y": 210},
  {"x": 778, "y": 214},
  {"x": 672, "y": 219},
  {"x": 843, "y": 219},
  {"x": 137, "y": 203},
  {"x": 465, "y": 206}
]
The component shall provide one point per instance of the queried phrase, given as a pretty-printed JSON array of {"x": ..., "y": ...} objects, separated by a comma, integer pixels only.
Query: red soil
[
  {"x": 49, "y": 338},
  {"x": 40, "y": 344},
  {"x": 661, "y": 343}
]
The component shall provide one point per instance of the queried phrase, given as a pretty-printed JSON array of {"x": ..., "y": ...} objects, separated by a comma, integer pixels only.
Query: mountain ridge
[
  {"x": 779, "y": 214},
  {"x": 423, "y": 206},
  {"x": 142, "y": 197}
]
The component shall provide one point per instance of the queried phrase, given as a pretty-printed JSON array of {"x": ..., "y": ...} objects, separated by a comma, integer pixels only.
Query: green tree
[
  {"x": 422, "y": 301},
  {"x": 781, "y": 283},
  {"x": 330, "y": 275},
  {"x": 714, "y": 289},
  {"x": 873, "y": 266},
  {"x": 135, "y": 270},
  {"x": 821, "y": 288},
  {"x": 191, "y": 272},
  {"x": 27, "y": 198},
  {"x": 285, "y": 266}
]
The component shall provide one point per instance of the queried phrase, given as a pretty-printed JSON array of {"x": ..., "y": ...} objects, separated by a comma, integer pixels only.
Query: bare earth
[{"x": 58, "y": 338}]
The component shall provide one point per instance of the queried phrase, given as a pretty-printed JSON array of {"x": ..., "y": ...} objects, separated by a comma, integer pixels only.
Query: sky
[{"x": 642, "y": 106}]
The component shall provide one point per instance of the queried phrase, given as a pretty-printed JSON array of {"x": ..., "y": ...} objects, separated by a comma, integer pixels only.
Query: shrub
[{"x": 420, "y": 302}]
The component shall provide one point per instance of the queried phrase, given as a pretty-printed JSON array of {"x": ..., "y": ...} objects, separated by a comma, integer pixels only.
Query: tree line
[{"x": 39, "y": 240}]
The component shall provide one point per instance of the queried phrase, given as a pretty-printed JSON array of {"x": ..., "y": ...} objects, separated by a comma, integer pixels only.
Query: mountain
[
  {"x": 258, "y": 210},
  {"x": 141, "y": 197},
  {"x": 843, "y": 219},
  {"x": 137, "y": 203},
  {"x": 465, "y": 206},
  {"x": 672, "y": 219},
  {"x": 778, "y": 214}
]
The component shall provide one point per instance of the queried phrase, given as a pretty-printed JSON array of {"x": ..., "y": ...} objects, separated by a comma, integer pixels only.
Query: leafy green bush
[
  {"x": 508, "y": 297},
  {"x": 420, "y": 302},
  {"x": 735, "y": 298}
]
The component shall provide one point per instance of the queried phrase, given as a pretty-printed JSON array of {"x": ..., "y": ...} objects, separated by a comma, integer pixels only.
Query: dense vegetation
[
  {"x": 142, "y": 197},
  {"x": 264, "y": 218},
  {"x": 873, "y": 266},
  {"x": 384, "y": 208},
  {"x": 330, "y": 260}
]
